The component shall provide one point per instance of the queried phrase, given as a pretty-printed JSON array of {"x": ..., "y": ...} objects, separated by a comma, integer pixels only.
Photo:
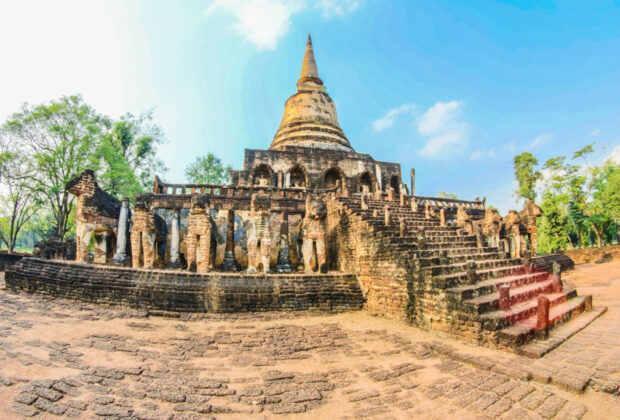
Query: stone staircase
[{"x": 457, "y": 283}]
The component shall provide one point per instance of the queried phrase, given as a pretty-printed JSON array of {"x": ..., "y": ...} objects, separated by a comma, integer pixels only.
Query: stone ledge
[{"x": 180, "y": 291}]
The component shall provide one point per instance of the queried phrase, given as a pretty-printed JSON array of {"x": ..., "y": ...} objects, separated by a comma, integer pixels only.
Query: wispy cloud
[
  {"x": 387, "y": 120},
  {"x": 444, "y": 129},
  {"x": 265, "y": 22},
  {"x": 338, "y": 7},
  {"x": 540, "y": 140},
  {"x": 595, "y": 132},
  {"x": 482, "y": 153}
]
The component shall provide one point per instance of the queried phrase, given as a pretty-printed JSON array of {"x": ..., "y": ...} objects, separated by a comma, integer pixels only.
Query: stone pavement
[{"x": 65, "y": 358}]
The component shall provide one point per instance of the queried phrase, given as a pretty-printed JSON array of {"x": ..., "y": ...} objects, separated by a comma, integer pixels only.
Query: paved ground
[{"x": 60, "y": 357}]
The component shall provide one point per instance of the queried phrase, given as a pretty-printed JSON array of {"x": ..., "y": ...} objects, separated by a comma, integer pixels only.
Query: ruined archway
[
  {"x": 395, "y": 183},
  {"x": 298, "y": 177},
  {"x": 334, "y": 178},
  {"x": 366, "y": 183},
  {"x": 263, "y": 176}
]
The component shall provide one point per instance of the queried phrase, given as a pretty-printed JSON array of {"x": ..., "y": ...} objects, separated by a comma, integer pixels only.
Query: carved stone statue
[
  {"x": 491, "y": 227},
  {"x": 528, "y": 216},
  {"x": 96, "y": 213},
  {"x": 143, "y": 233},
  {"x": 198, "y": 239},
  {"x": 463, "y": 220},
  {"x": 314, "y": 246},
  {"x": 512, "y": 224},
  {"x": 259, "y": 235}
]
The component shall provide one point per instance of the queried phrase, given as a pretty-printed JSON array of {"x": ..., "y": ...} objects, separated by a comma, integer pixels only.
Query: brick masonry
[
  {"x": 181, "y": 291},
  {"x": 591, "y": 255},
  {"x": 6, "y": 260}
]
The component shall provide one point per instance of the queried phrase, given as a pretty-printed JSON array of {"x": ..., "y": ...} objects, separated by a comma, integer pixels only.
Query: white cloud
[
  {"x": 510, "y": 147},
  {"x": 438, "y": 115},
  {"x": 265, "y": 22},
  {"x": 337, "y": 7},
  {"x": 51, "y": 49},
  {"x": 540, "y": 140},
  {"x": 595, "y": 132},
  {"x": 387, "y": 120},
  {"x": 482, "y": 153},
  {"x": 446, "y": 133},
  {"x": 438, "y": 145},
  {"x": 614, "y": 156}
]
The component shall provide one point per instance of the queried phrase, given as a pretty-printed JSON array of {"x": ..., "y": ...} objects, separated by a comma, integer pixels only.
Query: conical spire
[
  {"x": 310, "y": 118},
  {"x": 309, "y": 72}
]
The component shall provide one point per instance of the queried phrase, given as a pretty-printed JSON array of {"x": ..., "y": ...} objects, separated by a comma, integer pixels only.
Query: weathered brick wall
[
  {"x": 355, "y": 248},
  {"x": 6, "y": 260},
  {"x": 545, "y": 262},
  {"x": 591, "y": 255},
  {"x": 185, "y": 292}
]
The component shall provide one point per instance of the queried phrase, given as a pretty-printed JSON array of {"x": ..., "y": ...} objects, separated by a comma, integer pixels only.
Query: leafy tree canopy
[
  {"x": 208, "y": 170},
  {"x": 527, "y": 175}
]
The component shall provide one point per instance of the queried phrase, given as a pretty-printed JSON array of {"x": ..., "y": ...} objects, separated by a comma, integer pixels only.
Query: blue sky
[{"x": 452, "y": 88}]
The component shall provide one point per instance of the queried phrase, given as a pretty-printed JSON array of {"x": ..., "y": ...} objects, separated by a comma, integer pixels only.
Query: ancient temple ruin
[{"x": 311, "y": 223}]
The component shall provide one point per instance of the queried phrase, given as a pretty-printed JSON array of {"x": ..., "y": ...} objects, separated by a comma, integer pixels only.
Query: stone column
[
  {"x": 175, "y": 239},
  {"x": 412, "y": 182},
  {"x": 504, "y": 297},
  {"x": 542, "y": 321},
  {"x": 120, "y": 255},
  {"x": 379, "y": 176},
  {"x": 284, "y": 264},
  {"x": 229, "y": 263}
]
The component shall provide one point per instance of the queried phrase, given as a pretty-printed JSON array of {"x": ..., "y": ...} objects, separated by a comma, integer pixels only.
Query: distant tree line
[
  {"x": 44, "y": 146},
  {"x": 580, "y": 201}
]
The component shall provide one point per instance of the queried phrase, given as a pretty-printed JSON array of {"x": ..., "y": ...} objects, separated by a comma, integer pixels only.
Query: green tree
[
  {"x": 61, "y": 138},
  {"x": 553, "y": 230},
  {"x": 19, "y": 200},
  {"x": 586, "y": 186},
  {"x": 443, "y": 194},
  {"x": 527, "y": 175},
  {"x": 208, "y": 170},
  {"x": 128, "y": 155}
]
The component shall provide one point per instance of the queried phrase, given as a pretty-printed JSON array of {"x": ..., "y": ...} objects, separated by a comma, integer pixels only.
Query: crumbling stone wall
[
  {"x": 355, "y": 248},
  {"x": 96, "y": 212},
  {"x": 314, "y": 163},
  {"x": 181, "y": 291},
  {"x": 592, "y": 255}
]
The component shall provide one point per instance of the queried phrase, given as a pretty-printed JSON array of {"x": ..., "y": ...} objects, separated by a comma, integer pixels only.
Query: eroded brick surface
[{"x": 63, "y": 358}]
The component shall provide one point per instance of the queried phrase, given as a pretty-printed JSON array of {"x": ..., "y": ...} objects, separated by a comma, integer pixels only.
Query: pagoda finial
[{"x": 309, "y": 72}]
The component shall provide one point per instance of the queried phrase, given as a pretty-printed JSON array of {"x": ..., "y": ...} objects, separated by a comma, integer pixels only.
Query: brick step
[
  {"x": 480, "y": 265},
  {"x": 445, "y": 281},
  {"x": 558, "y": 335},
  {"x": 451, "y": 244},
  {"x": 520, "y": 312},
  {"x": 429, "y": 252},
  {"x": 525, "y": 330},
  {"x": 433, "y": 239},
  {"x": 490, "y": 302},
  {"x": 394, "y": 222},
  {"x": 517, "y": 279},
  {"x": 458, "y": 258}
]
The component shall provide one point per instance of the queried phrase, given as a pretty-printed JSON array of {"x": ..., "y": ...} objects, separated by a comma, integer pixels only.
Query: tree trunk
[{"x": 599, "y": 240}]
